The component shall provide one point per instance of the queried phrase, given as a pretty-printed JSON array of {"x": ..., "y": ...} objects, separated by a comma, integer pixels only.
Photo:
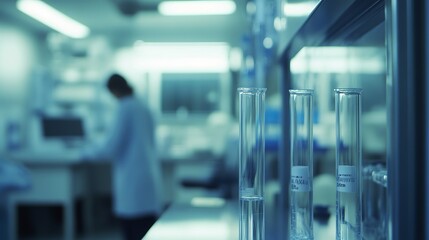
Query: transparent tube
[
  {"x": 251, "y": 163},
  {"x": 348, "y": 163},
  {"x": 301, "y": 182}
]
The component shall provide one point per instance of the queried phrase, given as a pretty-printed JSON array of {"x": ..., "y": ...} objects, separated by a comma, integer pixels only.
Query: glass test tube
[
  {"x": 301, "y": 182},
  {"x": 348, "y": 163},
  {"x": 251, "y": 163}
]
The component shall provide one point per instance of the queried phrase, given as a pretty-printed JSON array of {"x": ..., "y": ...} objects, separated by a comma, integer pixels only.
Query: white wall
[{"x": 19, "y": 56}]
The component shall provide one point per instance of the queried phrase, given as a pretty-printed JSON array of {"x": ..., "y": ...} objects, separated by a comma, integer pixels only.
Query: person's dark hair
[{"x": 118, "y": 83}]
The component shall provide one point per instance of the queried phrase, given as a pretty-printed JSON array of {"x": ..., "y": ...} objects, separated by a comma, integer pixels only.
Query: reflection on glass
[{"x": 374, "y": 214}]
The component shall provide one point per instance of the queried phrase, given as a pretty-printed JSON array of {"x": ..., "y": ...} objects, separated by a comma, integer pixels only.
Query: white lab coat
[{"x": 136, "y": 171}]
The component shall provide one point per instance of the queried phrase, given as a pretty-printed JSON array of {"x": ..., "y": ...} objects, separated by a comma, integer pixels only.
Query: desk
[{"x": 57, "y": 178}]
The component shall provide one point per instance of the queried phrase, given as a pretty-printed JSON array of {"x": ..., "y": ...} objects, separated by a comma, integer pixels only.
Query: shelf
[{"x": 336, "y": 23}]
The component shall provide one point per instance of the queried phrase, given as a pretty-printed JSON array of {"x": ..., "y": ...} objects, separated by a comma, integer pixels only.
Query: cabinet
[{"x": 377, "y": 45}]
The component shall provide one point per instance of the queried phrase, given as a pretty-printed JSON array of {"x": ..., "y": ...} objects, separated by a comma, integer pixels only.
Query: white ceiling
[{"x": 104, "y": 18}]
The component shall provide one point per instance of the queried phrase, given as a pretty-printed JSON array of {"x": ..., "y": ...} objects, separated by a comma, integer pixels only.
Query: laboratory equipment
[
  {"x": 301, "y": 154},
  {"x": 13, "y": 136},
  {"x": 348, "y": 164},
  {"x": 251, "y": 163}
]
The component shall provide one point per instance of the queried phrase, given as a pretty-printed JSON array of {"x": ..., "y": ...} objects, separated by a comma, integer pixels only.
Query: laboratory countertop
[
  {"x": 212, "y": 219},
  {"x": 73, "y": 156},
  {"x": 53, "y": 156},
  {"x": 203, "y": 218},
  {"x": 70, "y": 157}
]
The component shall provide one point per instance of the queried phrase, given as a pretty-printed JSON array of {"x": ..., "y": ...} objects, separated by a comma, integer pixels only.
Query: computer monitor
[{"x": 64, "y": 128}]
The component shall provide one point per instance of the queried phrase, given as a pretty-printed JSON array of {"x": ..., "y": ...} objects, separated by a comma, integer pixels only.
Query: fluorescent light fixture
[
  {"x": 301, "y": 9},
  {"x": 222, "y": 7},
  {"x": 53, "y": 18}
]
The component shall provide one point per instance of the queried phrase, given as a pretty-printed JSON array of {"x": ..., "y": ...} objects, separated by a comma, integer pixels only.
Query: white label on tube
[
  {"x": 300, "y": 181},
  {"x": 346, "y": 178}
]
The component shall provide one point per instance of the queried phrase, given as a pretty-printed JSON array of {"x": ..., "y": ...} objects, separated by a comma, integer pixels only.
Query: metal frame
[
  {"x": 284, "y": 155},
  {"x": 406, "y": 85},
  {"x": 426, "y": 99}
]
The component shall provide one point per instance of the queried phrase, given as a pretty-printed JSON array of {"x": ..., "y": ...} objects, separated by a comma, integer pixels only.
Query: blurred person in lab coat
[{"x": 136, "y": 173}]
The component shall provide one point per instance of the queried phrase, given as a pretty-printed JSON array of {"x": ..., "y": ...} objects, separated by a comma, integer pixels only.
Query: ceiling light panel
[
  {"x": 53, "y": 18},
  {"x": 299, "y": 9},
  {"x": 186, "y": 8}
]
